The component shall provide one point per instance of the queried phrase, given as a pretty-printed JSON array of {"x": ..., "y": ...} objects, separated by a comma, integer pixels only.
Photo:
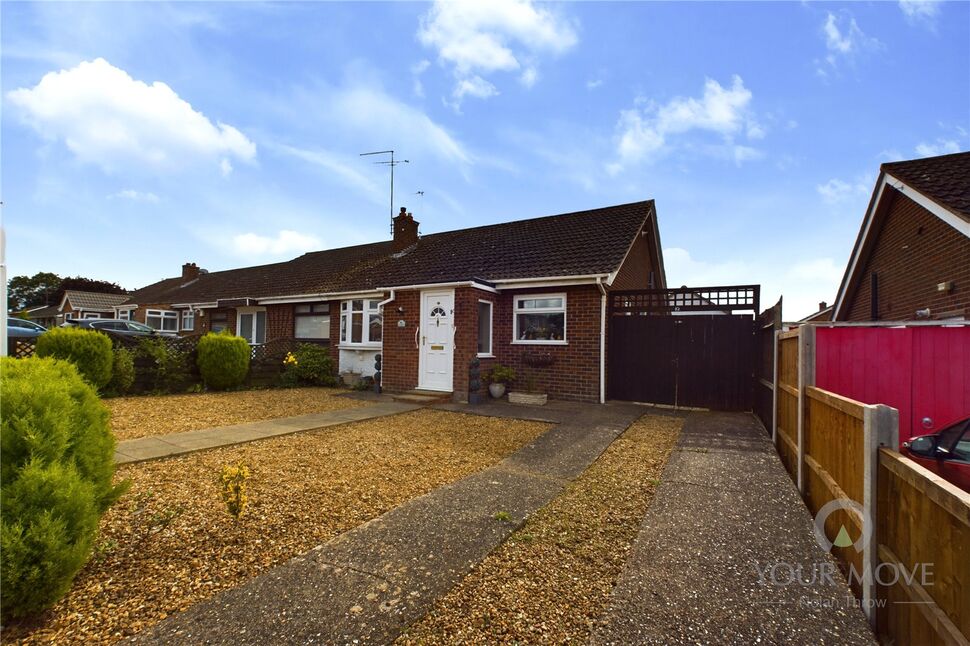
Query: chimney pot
[
  {"x": 405, "y": 230},
  {"x": 190, "y": 271},
  {"x": 822, "y": 305}
]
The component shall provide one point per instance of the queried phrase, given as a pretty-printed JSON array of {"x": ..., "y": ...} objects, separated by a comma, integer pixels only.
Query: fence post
[
  {"x": 776, "y": 350},
  {"x": 880, "y": 429},
  {"x": 806, "y": 378}
]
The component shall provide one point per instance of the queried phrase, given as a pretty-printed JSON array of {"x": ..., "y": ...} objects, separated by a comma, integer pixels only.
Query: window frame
[
  {"x": 190, "y": 315},
  {"x": 313, "y": 311},
  {"x": 516, "y": 310},
  {"x": 255, "y": 311},
  {"x": 162, "y": 315},
  {"x": 369, "y": 307},
  {"x": 491, "y": 329},
  {"x": 124, "y": 315}
]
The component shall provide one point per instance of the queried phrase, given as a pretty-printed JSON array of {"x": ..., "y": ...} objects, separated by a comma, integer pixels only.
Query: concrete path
[
  {"x": 725, "y": 510},
  {"x": 163, "y": 446},
  {"x": 367, "y": 585}
]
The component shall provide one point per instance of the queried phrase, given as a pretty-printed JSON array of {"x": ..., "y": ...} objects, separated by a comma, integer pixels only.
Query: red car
[{"x": 945, "y": 453}]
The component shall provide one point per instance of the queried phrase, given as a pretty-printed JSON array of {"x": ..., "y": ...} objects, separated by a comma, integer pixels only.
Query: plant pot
[
  {"x": 496, "y": 390},
  {"x": 351, "y": 379},
  {"x": 534, "y": 399}
]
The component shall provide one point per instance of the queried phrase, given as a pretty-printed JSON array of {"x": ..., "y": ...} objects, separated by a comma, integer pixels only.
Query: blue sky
[{"x": 136, "y": 137}]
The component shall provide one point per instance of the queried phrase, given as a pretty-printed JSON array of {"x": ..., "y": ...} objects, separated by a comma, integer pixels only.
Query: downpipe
[{"x": 599, "y": 284}]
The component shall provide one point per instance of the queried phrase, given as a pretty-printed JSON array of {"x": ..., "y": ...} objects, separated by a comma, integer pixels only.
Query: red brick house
[
  {"x": 911, "y": 259},
  {"x": 88, "y": 305},
  {"x": 430, "y": 304}
]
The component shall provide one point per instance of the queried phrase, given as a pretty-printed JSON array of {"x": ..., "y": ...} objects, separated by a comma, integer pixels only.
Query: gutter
[
  {"x": 389, "y": 299},
  {"x": 599, "y": 283}
]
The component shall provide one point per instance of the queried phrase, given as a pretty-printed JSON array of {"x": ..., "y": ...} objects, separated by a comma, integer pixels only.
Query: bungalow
[
  {"x": 87, "y": 305},
  {"x": 520, "y": 293},
  {"x": 911, "y": 259}
]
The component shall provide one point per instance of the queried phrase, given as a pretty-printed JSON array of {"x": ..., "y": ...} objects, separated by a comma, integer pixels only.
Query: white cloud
[
  {"x": 836, "y": 191},
  {"x": 474, "y": 86},
  {"x": 844, "y": 40},
  {"x": 803, "y": 284},
  {"x": 285, "y": 242},
  {"x": 134, "y": 196},
  {"x": 479, "y": 38},
  {"x": 939, "y": 147},
  {"x": 529, "y": 76},
  {"x": 416, "y": 71},
  {"x": 336, "y": 165},
  {"x": 225, "y": 167},
  {"x": 920, "y": 11},
  {"x": 645, "y": 130},
  {"x": 592, "y": 84},
  {"x": 106, "y": 117}
]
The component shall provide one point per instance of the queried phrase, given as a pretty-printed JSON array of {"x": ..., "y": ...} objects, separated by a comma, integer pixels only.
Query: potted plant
[
  {"x": 498, "y": 378},
  {"x": 530, "y": 394}
]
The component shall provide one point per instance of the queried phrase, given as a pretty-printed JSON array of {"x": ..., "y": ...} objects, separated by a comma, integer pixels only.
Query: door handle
[{"x": 416, "y": 330}]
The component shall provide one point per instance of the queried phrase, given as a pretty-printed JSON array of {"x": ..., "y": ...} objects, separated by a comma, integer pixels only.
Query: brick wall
[
  {"x": 279, "y": 322},
  {"x": 635, "y": 271},
  {"x": 914, "y": 251},
  {"x": 400, "y": 367}
]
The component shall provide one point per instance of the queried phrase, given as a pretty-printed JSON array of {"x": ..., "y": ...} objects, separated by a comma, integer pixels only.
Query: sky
[{"x": 138, "y": 137}]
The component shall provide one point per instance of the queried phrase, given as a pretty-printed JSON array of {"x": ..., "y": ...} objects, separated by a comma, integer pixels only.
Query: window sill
[
  {"x": 360, "y": 346},
  {"x": 540, "y": 342},
  {"x": 485, "y": 356}
]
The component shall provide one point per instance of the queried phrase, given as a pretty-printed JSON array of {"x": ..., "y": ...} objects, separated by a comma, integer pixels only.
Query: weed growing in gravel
[
  {"x": 503, "y": 516},
  {"x": 234, "y": 489}
]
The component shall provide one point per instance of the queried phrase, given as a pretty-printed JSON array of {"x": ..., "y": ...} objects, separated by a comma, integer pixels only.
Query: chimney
[
  {"x": 822, "y": 305},
  {"x": 190, "y": 271},
  {"x": 405, "y": 230}
]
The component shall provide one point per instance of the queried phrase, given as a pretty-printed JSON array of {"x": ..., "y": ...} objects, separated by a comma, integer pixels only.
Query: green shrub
[
  {"x": 56, "y": 466},
  {"x": 223, "y": 360},
  {"x": 309, "y": 365},
  {"x": 122, "y": 372},
  {"x": 170, "y": 370},
  {"x": 501, "y": 375},
  {"x": 88, "y": 350}
]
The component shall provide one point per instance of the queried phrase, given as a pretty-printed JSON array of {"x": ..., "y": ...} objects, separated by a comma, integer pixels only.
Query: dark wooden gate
[{"x": 683, "y": 347}]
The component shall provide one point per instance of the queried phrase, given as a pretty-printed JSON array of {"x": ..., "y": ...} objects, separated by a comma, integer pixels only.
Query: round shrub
[
  {"x": 223, "y": 360},
  {"x": 122, "y": 372},
  {"x": 309, "y": 365},
  {"x": 88, "y": 350},
  {"x": 56, "y": 466}
]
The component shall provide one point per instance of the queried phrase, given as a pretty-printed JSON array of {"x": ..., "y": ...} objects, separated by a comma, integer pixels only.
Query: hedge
[
  {"x": 89, "y": 351},
  {"x": 223, "y": 360}
]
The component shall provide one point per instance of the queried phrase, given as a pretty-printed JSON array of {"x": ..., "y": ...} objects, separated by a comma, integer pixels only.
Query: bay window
[
  {"x": 361, "y": 322},
  {"x": 311, "y": 321},
  {"x": 164, "y": 320},
  {"x": 539, "y": 319}
]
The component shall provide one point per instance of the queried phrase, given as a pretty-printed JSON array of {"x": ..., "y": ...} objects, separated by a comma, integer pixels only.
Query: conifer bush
[
  {"x": 56, "y": 467},
  {"x": 223, "y": 360},
  {"x": 89, "y": 351}
]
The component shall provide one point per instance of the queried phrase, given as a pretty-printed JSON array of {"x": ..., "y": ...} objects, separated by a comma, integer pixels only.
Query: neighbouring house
[
  {"x": 520, "y": 293},
  {"x": 87, "y": 305},
  {"x": 824, "y": 313},
  {"x": 45, "y": 315},
  {"x": 911, "y": 259}
]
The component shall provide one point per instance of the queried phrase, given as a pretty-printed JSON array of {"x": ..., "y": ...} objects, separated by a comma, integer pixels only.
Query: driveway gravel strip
[
  {"x": 725, "y": 510},
  {"x": 369, "y": 584}
]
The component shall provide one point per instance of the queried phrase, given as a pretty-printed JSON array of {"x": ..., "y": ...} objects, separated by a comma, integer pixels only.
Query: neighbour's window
[
  {"x": 92, "y": 315},
  {"x": 361, "y": 321},
  {"x": 188, "y": 320},
  {"x": 311, "y": 321},
  {"x": 539, "y": 319},
  {"x": 124, "y": 315},
  {"x": 68, "y": 316},
  {"x": 165, "y": 320},
  {"x": 484, "y": 328},
  {"x": 251, "y": 325}
]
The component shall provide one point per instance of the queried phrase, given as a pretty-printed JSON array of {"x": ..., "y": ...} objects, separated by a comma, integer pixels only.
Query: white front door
[{"x": 437, "y": 348}]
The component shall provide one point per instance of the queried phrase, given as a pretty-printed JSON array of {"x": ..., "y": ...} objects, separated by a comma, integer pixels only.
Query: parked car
[
  {"x": 23, "y": 329},
  {"x": 118, "y": 326},
  {"x": 946, "y": 453}
]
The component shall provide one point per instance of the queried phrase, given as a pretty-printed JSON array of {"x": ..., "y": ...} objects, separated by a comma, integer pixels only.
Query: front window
[
  {"x": 484, "y": 328},
  {"x": 188, "y": 320},
  {"x": 124, "y": 315},
  {"x": 311, "y": 321},
  {"x": 540, "y": 319},
  {"x": 92, "y": 315},
  {"x": 251, "y": 325},
  {"x": 361, "y": 322},
  {"x": 165, "y": 320},
  {"x": 219, "y": 321}
]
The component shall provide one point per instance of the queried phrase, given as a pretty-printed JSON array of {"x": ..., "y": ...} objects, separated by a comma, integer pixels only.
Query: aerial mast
[{"x": 392, "y": 163}]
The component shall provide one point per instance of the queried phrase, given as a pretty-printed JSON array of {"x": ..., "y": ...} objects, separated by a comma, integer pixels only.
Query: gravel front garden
[
  {"x": 169, "y": 542},
  {"x": 551, "y": 581},
  {"x": 133, "y": 417}
]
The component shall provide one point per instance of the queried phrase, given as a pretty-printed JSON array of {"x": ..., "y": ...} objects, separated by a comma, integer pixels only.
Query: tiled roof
[
  {"x": 47, "y": 312},
  {"x": 944, "y": 179},
  {"x": 94, "y": 301},
  {"x": 571, "y": 244}
]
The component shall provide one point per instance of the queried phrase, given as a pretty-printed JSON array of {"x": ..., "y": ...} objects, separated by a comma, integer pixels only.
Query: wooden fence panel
[
  {"x": 787, "y": 415},
  {"x": 921, "y": 518}
]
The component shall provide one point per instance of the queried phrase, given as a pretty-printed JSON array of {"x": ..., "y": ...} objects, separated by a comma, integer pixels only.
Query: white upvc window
[
  {"x": 165, "y": 320},
  {"x": 311, "y": 320},
  {"x": 251, "y": 324},
  {"x": 188, "y": 320},
  {"x": 92, "y": 315},
  {"x": 484, "y": 328},
  {"x": 124, "y": 315},
  {"x": 539, "y": 319},
  {"x": 361, "y": 322}
]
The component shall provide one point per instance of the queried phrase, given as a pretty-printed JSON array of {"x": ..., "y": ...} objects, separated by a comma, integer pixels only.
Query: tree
[{"x": 32, "y": 291}]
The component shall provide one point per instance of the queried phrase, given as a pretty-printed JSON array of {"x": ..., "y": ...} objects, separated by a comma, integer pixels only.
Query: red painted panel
[{"x": 924, "y": 372}]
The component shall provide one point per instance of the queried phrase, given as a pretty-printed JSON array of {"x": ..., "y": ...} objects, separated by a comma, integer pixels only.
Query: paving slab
[
  {"x": 162, "y": 446},
  {"x": 725, "y": 517},
  {"x": 367, "y": 585}
]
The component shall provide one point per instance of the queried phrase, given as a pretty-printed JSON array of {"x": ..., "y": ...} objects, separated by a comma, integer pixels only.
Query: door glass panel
[
  {"x": 246, "y": 326},
  {"x": 260, "y": 328}
]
